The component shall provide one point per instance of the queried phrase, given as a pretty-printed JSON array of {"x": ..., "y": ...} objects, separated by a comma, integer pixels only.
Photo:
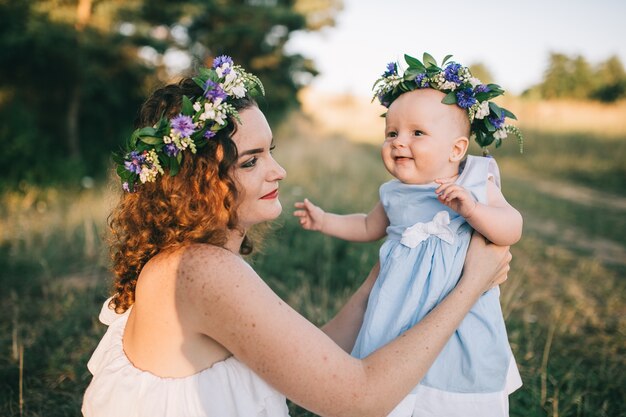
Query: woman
[{"x": 205, "y": 335}]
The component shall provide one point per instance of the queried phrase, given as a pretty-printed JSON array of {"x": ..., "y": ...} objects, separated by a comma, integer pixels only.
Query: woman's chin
[
  {"x": 268, "y": 214},
  {"x": 278, "y": 209}
]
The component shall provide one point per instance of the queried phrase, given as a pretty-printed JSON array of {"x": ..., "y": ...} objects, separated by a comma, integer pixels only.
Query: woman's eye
[{"x": 250, "y": 162}]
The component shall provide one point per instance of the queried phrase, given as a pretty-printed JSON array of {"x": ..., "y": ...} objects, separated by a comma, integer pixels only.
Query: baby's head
[
  {"x": 446, "y": 104},
  {"x": 424, "y": 138}
]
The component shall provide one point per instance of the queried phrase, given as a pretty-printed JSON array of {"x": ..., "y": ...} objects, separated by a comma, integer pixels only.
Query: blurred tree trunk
[{"x": 83, "y": 14}]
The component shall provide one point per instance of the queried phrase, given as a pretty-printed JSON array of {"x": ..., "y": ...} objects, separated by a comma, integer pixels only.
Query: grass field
[{"x": 564, "y": 302}]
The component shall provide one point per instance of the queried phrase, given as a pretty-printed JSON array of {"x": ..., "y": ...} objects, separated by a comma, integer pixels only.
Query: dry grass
[{"x": 357, "y": 119}]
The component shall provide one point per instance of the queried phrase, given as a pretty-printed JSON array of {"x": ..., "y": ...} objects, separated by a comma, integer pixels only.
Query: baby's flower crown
[
  {"x": 151, "y": 149},
  {"x": 487, "y": 119}
]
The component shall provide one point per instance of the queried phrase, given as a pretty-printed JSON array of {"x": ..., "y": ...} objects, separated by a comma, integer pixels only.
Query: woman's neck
[{"x": 234, "y": 240}]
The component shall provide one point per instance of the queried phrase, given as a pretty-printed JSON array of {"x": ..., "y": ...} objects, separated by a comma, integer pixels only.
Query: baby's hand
[
  {"x": 456, "y": 197},
  {"x": 311, "y": 216}
]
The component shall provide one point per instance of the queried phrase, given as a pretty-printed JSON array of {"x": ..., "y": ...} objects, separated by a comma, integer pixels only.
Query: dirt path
[
  {"x": 605, "y": 250},
  {"x": 580, "y": 195}
]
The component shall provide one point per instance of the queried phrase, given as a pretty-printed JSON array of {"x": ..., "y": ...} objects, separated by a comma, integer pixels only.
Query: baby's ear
[{"x": 459, "y": 148}]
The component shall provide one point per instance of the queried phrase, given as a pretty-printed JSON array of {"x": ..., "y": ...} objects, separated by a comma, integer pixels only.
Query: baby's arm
[
  {"x": 498, "y": 221},
  {"x": 354, "y": 227}
]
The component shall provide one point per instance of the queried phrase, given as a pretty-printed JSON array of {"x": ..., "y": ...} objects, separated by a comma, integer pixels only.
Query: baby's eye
[
  {"x": 418, "y": 133},
  {"x": 250, "y": 162},
  {"x": 392, "y": 134}
]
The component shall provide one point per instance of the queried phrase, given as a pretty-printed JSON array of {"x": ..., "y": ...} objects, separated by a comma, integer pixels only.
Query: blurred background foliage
[{"x": 74, "y": 72}]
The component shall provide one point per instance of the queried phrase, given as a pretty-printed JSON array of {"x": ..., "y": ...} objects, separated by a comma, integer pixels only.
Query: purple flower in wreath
[
  {"x": 214, "y": 91},
  {"x": 496, "y": 121},
  {"x": 465, "y": 98},
  {"x": 481, "y": 88},
  {"x": 422, "y": 81},
  {"x": 183, "y": 125},
  {"x": 222, "y": 59},
  {"x": 392, "y": 69},
  {"x": 171, "y": 149},
  {"x": 133, "y": 162},
  {"x": 384, "y": 100},
  {"x": 209, "y": 134},
  {"x": 451, "y": 73},
  {"x": 125, "y": 187}
]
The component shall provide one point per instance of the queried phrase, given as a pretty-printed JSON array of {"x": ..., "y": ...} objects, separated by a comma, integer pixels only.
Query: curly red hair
[{"x": 198, "y": 205}]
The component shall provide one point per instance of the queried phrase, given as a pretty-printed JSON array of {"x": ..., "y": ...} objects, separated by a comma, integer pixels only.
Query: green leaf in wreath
[
  {"x": 146, "y": 131},
  {"x": 496, "y": 109},
  {"x": 508, "y": 114},
  {"x": 187, "y": 108},
  {"x": 151, "y": 140},
  {"x": 450, "y": 98},
  {"x": 429, "y": 60},
  {"x": 174, "y": 166},
  {"x": 414, "y": 63}
]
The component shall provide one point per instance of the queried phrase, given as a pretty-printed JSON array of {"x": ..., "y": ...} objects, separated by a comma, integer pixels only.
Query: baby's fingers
[
  {"x": 445, "y": 180},
  {"x": 308, "y": 205},
  {"x": 453, "y": 195},
  {"x": 300, "y": 213},
  {"x": 445, "y": 192},
  {"x": 444, "y": 186}
]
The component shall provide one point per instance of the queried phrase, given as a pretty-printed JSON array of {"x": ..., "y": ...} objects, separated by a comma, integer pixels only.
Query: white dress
[{"x": 228, "y": 388}]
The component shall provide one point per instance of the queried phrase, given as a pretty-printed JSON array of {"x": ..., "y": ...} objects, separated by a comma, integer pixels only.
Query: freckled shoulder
[
  {"x": 202, "y": 263},
  {"x": 208, "y": 275}
]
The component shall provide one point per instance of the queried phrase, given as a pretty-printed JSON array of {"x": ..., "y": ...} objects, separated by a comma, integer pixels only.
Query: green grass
[{"x": 564, "y": 305}]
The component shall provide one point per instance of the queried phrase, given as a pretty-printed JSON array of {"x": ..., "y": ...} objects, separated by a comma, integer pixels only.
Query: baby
[{"x": 428, "y": 212}]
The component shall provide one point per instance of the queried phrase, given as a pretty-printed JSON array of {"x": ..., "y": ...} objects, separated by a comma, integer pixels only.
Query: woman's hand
[{"x": 486, "y": 264}]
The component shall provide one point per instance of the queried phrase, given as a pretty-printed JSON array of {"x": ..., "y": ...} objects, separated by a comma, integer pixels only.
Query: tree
[
  {"x": 557, "y": 80},
  {"x": 574, "y": 78},
  {"x": 581, "y": 79},
  {"x": 73, "y": 73},
  {"x": 610, "y": 80}
]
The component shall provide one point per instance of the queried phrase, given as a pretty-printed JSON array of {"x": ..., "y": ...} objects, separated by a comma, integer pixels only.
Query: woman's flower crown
[
  {"x": 151, "y": 149},
  {"x": 487, "y": 119}
]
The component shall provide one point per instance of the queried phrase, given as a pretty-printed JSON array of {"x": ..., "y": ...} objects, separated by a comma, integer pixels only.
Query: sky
[{"x": 513, "y": 39}]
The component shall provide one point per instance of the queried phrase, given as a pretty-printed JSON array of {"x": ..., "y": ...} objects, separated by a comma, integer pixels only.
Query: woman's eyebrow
[
  {"x": 255, "y": 150},
  {"x": 251, "y": 151}
]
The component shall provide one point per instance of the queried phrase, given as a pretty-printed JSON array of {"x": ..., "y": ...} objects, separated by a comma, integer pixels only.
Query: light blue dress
[{"x": 413, "y": 280}]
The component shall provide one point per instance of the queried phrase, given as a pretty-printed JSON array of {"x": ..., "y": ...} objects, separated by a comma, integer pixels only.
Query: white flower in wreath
[
  {"x": 214, "y": 111},
  {"x": 482, "y": 110},
  {"x": 474, "y": 82},
  {"x": 224, "y": 68},
  {"x": 500, "y": 133}
]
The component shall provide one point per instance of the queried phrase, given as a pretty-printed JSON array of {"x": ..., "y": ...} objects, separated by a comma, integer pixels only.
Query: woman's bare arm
[{"x": 231, "y": 304}]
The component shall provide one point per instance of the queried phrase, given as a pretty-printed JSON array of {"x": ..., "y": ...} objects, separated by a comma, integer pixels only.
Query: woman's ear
[{"x": 459, "y": 148}]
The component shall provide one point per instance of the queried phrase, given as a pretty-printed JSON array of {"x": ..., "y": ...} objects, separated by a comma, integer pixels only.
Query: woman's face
[{"x": 256, "y": 171}]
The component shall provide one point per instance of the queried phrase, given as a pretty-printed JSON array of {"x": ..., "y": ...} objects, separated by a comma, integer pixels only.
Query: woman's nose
[{"x": 278, "y": 172}]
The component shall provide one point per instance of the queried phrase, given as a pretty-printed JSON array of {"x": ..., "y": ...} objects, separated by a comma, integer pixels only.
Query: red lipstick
[{"x": 270, "y": 196}]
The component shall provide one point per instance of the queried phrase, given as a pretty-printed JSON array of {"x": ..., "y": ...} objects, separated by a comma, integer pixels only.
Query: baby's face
[{"x": 420, "y": 132}]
